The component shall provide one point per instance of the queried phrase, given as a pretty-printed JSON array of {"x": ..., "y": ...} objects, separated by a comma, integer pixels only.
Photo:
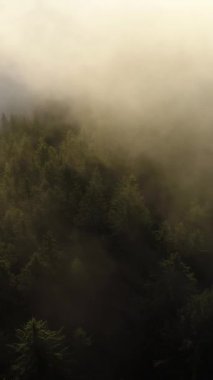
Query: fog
[
  {"x": 106, "y": 201},
  {"x": 133, "y": 61}
]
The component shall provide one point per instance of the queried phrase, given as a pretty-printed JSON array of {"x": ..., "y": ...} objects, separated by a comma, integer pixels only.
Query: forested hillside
[{"x": 106, "y": 263}]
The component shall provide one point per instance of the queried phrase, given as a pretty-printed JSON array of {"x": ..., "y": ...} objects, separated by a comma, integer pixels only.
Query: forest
[{"x": 105, "y": 255}]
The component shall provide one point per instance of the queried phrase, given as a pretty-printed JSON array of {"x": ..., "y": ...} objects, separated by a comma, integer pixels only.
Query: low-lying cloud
[{"x": 137, "y": 60}]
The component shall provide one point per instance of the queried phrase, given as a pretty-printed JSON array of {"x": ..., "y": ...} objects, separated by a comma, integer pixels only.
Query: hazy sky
[{"x": 134, "y": 54}]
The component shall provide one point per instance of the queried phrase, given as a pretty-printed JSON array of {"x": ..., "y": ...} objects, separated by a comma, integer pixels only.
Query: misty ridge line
[{"x": 138, "y": 70}]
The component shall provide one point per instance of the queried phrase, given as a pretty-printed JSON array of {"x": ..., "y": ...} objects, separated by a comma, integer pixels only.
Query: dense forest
[{"x": 105, "y": 254}]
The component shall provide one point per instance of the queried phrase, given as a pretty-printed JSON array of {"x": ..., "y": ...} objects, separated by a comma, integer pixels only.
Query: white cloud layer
[{"x": 134, "y": 56}]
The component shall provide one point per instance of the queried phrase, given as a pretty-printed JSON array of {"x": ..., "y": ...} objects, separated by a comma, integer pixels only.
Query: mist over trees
[
  {"x": 105, "y": 255},
  {"x": 106, "y": 201}
]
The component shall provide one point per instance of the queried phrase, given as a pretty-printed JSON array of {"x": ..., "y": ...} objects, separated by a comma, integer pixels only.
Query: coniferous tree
[{"x": 39, "y": 352}]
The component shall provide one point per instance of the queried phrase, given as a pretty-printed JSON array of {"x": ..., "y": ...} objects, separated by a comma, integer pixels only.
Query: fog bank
[{"x": 132, "y": 62}]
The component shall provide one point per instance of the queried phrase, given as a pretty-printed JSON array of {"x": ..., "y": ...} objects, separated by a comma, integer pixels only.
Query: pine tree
[{"x": 40, "y": 353}]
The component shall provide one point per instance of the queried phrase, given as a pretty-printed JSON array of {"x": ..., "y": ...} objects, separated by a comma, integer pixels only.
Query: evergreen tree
[{"x": 39, "y": 352}]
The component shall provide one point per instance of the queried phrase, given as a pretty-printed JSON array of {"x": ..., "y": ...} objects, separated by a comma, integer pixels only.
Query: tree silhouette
[{"x": 40, "y": 352}]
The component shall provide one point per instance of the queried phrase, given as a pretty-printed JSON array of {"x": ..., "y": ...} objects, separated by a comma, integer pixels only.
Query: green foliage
[
  {"x": 127, "y": 213},
  {"x": 93, "y": 207},
  {"x": 175, "y": 285},
  {"x": 39, "y": 352},
  {"x": 91, "y": 236}
]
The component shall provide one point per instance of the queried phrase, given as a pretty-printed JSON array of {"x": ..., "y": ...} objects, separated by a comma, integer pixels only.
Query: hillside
[{"x": 114, "y": 247}]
